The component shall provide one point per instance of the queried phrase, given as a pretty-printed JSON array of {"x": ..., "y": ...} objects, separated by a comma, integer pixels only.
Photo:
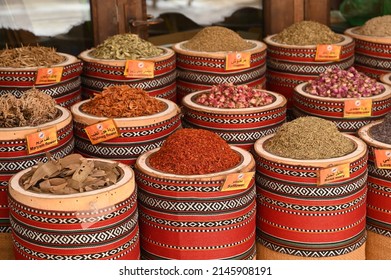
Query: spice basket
[
  {"x": 137, "y": 134},
  {"x": 305, "y": 104},
  {"x": 66, "y": 92},
  {"x": 378, "y": 201},
  {"x": 199, "y": 70},
  {"x": 291, "y": 65},
  {"x": 385, "y": 78},
  {"x": 189, "y": 217},
  {"x": 372, "y": 53},
  {"x": 299, "y": 219},
  {"x": 15, "y": 157},
  {"x": 100, "y": 73},
  {"x": 240, "y": 127},
  {"x": 98, "y": 224}
]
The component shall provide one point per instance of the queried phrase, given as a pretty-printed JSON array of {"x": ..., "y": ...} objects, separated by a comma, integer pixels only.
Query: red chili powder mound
[{"x": 190, "y": 151}]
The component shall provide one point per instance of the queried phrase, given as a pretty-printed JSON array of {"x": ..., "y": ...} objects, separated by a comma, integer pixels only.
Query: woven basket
[
  {"x": 189, "y": 217},
  {"x": 201, "y": 70},
  {"x": 66, "y": 92},
  {"x": 297, "y": 218},
  {"x": 240, "y": 127},
  {"x": 379, "y": 200},
  {"x": 100, "y": 73},
  {"x": 14, "y": 155}
]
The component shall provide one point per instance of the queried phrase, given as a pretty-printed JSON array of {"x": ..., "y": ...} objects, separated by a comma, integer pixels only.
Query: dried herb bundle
[
  {"x": 382, "y": 131},
  {"x": 33, "y": 108},
  {"x": 29, "y": 56},
  {"x": 309, "y": 138},
  {"x": 125, "y": 46},
  {"x": 71, "y": 174}
]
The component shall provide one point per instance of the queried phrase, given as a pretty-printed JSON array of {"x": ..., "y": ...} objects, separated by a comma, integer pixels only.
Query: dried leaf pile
[
  {"x": 123, "y": 102},
  {"x": 33, "y": 108},
  {"x": 71, "y": 174},
  {"x": 29, "y": 56}
]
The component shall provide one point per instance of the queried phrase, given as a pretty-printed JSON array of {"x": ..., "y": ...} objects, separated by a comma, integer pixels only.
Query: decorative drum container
[
  {"x": 15, "y": 156},
  {"x": 191, "y": 217},
  {"x": 297, "y": 218},
  {"x": 372, "y": 53},
  {"x": 66, "y": 92},
  {"x": 98, "y": 224},
  {"x": 100, "y": 73},
  {"x": 333, "y": 109},
  {"x": 137, "y": 135},
  {"x": 291, "y": 65},
  {"x": 237, "y": 126},
  {"x": 379, "y": 200},
  {"x": 199, "y": 70}
]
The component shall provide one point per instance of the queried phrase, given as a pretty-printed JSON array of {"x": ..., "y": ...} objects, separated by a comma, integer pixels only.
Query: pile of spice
[
  {"x": 307, "y": 32},
  {"x": 71, "y": 174},
  {"x": 339, "y": 83},
  {"x": 33, "y": 108},
  {"x": 122, "y": 101},
  {"x": 382, "y": 131},
  {"x": 309, "y": 138},
  {"x": 217, "y": 39},
  {"x": 377, "y": 26},
  {"x": 234, "y": 96},
  {"x": 191, "y": 151},
  {"x": 29, "y": 56},
  {"x": 126, "y": 46}
]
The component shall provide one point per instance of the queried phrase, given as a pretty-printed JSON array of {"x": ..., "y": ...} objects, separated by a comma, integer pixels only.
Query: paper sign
[
  {"x": 327, "y": 52},
  {"x": 357, "y": 108},
  {"x": 48, "y": 75},
  {"x": 41, "y": 140},
  {"x": 102, "y": 131},
  {"x": 139, "y": 69},
  {"x": 383, "y": 159},
  {"x": 334, "y": 173},
  {"x": 237, "y": 60},
  {"x": 237, "y": 181}
]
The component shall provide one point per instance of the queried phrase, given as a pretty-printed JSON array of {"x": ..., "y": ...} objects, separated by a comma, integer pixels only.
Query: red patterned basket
[
  {"x": 372, "y": 53},
  {"x": 378, "y": 201},
  {"x": 332, "y": 109},
  {"x": 189, "y": 217},
  {"x": 100, "y": 224},
  {"x": 100, "y": 73},
  {"x": 66, "y": 92},
  {"x": 137, "y": 135},
  {"x": 291, "y": 65},
  {"x": 14, "y": 155},
  {"x": 240, "y": 127},
  {"x": 200, "y": 70},
  {"x": 299, "y": 219}
]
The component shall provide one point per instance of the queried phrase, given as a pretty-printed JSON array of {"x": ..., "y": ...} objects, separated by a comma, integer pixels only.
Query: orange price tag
[
  {"x": 357, "y": 108},
  {"x": 237, "y": 181},
  {"x": 41, "y": 140},
  {"x": 383, "y": 159},
  {"x": 48, "y": 75},
  {"x": 139, "y": 69},
  {"x": 237, "y": 60},
  {"x": 327, "y": 52},
  {"x": 334, "y": 173},
  {"x": 102, "y": 131}
]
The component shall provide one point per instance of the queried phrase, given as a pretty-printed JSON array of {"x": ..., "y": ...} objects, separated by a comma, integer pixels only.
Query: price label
[
  {"x": 48, "y": 75},
  {"x": 357, "y": 108},
  {"x": 102, "y": 131},
  {"x": 139, "y": 69},
  {"x": 334, "y": 173},
  {"x": 41, "y": 140},
  {"x": 237, "y": 181},
  {"x": 237, "y": 60},
  {"x": 383, "y": 159},
  {"x": 327, "y": 52}
]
